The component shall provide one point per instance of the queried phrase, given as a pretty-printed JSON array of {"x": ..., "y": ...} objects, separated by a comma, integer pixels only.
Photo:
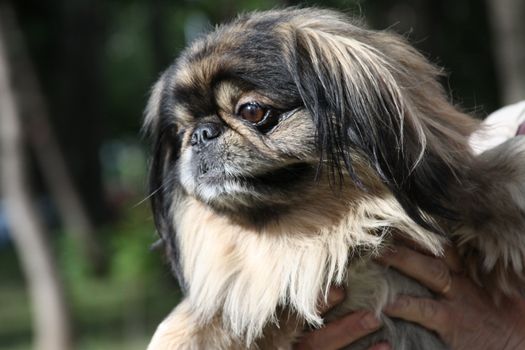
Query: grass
[
  {"x": 107, "y": 315},
  {"x": 15, "y": 317}
]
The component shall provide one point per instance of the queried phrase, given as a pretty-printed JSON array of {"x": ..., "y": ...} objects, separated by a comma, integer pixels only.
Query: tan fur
[{"x": 152, "y": 109}]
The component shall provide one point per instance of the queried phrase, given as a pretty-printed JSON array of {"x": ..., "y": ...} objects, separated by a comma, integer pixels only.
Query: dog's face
[
  {"x": 242, "y": 147},
  {"x": 246, "y": 142},
  {"x": 254, "y": 115}
]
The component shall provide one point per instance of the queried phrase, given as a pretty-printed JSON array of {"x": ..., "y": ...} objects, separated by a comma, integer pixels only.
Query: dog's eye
[
  {"x": 262, "y": 117},
  {"x": 252, "y": 112}
]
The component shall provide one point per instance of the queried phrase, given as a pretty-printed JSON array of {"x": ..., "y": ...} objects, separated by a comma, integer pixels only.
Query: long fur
[{"x": 367, "y": 146}]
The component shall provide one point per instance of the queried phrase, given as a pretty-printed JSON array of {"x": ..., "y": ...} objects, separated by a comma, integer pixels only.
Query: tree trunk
[
  {"x": 508, "y": 32},
  {"x": 51, "y": 322},
  {"x": 37, "y": 127}
]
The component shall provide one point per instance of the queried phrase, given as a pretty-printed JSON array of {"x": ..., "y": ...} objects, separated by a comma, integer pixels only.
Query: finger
[
  {"x": 452, "y": 258},
  {"x": 429, "y": 313},
  {"x": 341, "y": 332},
  {"x": 335, "y": 296},
  {"x": 450, "y": 253},
  {"x": 431, "y": 272},
  {"x": 381, "y": 346},
  {"x": 410, "y": 243}
]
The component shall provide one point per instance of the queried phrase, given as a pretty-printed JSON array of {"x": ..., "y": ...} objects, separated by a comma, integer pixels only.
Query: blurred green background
[{"x": 94, "y": 62}]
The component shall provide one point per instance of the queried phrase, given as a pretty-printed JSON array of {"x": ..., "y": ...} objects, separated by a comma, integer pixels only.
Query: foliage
[
  {"x": 136, "y": 294},
  {"x": 117, "y": 311}
]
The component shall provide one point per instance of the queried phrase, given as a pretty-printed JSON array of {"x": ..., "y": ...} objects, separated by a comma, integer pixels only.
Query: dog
[{"x": 289, "y": 148}]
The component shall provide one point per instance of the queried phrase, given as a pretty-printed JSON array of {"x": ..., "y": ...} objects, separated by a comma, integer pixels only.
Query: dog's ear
[
  {"x": 160, "y": 127},
  {"x": 370, "y": 93}
]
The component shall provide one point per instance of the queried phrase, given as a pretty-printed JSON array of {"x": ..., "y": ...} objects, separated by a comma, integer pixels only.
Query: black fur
[
  {"x": 348, "y": 124},
  {"x": 162, "y": 186}
]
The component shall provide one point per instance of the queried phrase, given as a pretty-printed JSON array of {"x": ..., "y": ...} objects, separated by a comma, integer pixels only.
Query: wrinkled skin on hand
[
  {"x": 463, "y": 314},
  {"x": 343, "y": 331}
]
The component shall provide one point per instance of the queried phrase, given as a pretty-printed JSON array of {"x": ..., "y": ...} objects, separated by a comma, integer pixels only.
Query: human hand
[
  {"x": 341, "y": 332},
  {"x": 463, "y": 314}
]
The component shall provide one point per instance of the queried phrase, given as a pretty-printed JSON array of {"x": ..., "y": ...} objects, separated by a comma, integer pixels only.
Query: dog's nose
[{"x": 204, "y": 133}]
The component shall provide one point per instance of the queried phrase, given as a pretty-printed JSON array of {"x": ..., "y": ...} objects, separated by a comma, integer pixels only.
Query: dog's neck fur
[{"x": 245, "y": 275}]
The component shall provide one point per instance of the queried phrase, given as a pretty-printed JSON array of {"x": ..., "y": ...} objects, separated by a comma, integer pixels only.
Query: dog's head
[{"x": 262, "y": 109}]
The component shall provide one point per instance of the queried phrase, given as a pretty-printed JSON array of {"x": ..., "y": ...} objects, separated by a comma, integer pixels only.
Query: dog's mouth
[
  {"x": 255, "y": 199},
  {"x": 216, "y": 187},
  {"x": 280, "y": 178}
]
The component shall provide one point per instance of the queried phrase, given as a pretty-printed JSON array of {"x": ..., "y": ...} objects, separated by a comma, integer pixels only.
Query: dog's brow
[
  {"x": 195, "y": 99},
  {"x": 182, "y": 115},
  {"x": 226, "y": 92}
]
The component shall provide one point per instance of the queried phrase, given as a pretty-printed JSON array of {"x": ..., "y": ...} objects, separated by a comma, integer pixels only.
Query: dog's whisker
[
  {"x": 146, "y": 198},
  {"x": 154, "y": 192}
]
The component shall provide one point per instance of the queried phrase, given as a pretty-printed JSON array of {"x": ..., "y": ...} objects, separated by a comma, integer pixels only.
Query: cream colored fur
[{"x": 245, "y": 276}]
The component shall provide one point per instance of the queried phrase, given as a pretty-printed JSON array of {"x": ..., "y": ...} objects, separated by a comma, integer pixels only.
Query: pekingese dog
[{"x": 289, "y": 147}]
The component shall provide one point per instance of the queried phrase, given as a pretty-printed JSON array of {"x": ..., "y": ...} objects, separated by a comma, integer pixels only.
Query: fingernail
[
  {"x": 385, "y": 257},
  {"x": 388, "y": 252},
  {"x": 369, "y": 321},
  {"x": 335, "y": 295},
  {"x": 383, "y": 346},
  {"x": 391, "y": 307}
]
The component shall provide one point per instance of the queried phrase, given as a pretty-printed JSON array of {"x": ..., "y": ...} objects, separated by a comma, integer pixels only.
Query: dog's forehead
[{"x": 248, "y": 52}]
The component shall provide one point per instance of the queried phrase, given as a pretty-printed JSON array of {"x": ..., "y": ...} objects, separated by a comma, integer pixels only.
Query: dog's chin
[
  {"x": 270, "y": 191},
  {"x": 220, "y": 191}
]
